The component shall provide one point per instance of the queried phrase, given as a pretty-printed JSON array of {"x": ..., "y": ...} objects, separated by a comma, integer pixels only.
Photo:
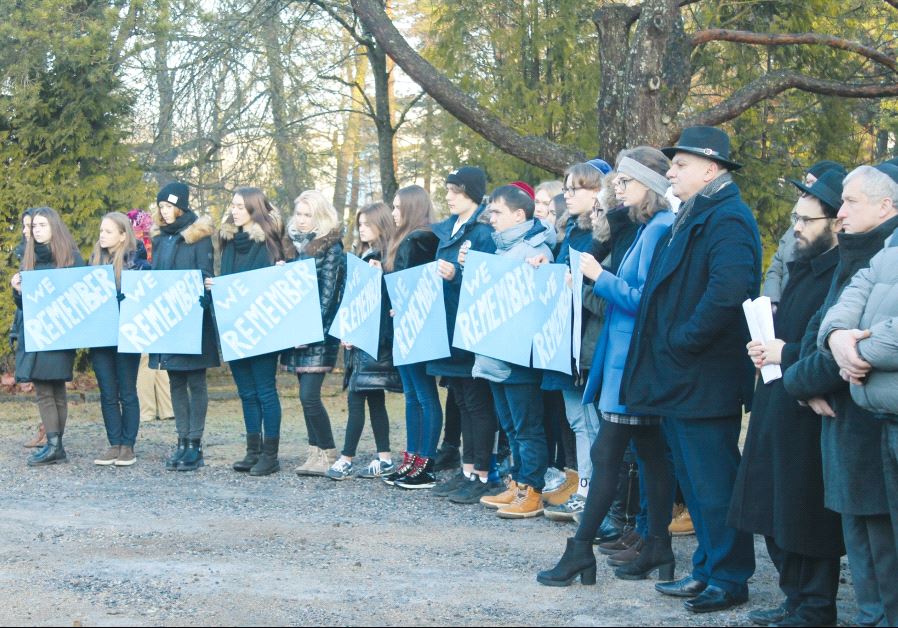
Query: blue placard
[
  {"x": 266, "y": 310},
  {"x": 499, "y": 310},
  {"x": 358, "y": 320},
  {"x": 577, "y": 279},
  {"x": 419, "y": 321},
  {"x": 161, "y": 312},
  {"x": 69, "y": 308},
  {"x": 552, "y": 341}
]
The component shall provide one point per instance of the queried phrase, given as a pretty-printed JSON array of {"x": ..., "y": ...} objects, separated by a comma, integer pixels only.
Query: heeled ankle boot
[
  {"x": 268, "y": 460},
  {"x": 655, "y": 554},
  {"x": 253, "y": 451},
  {"x": 578, "y": 560},
  {"x": 193, "y": 456},
  {"x": 51, "y": 454},
  {"x": 172, "y": 463}
]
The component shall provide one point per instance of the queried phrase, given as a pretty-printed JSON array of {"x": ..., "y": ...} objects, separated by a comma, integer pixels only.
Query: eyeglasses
[
  {"x": 566, "y": 190},
  {"x": 621, "y": 182},
  {"x": 804, "y": 220}
]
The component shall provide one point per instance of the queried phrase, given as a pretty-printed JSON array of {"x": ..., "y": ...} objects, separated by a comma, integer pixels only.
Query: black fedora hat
[
  {"x": 705, "y": 141},
  {"x": 827, "y": 188}
]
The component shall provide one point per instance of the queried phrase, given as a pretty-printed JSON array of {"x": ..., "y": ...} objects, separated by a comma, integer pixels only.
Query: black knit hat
[
  {"x": 827, "y": 189},
  {"x": 472, "y": 180},
  {"x": 822, "y": 166},
  {"x": 705, "y": 141},
  {"x": 889, "y": 169},
  {"x": 177, "y": 194}
]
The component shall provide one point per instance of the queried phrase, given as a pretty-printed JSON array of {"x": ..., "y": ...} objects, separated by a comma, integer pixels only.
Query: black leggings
[
  {"x": 478, "y": 420},
  {"x": 318, "y": 423},
  {"x": 606, "y": 453},
  {"x": 380, "y": 421}
]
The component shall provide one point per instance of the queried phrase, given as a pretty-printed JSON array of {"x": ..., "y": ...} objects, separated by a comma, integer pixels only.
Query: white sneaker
[
  {"x": 554, "y": 478},
  {"x": 340, "y": 470}
]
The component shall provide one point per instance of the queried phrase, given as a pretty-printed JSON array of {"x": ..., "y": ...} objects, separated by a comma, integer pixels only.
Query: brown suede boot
[
  {"x": 626, "y": 541},
  {"x": 527, "y": 503},
  {"x": 561, "y": 494},
  {"x": 502, "y": 499},
  {"x": 40, "y": 439},
  {"x": 109, "y": 458},
  {"x": 313, "y": 461},
  {"x": 681, "y": 524}
]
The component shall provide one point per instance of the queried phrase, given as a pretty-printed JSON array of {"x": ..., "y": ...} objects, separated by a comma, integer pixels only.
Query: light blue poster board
[
  {"x": 70, "y": 308},
  {"x": 161, "y": 312},
  {"x": 499, "y": 310},
  {"x": 358, "y": 319},
  {"x": 577, "y": 277},
  {"x": 552, "y": 341},
  {"x": 419, "y": 321},
  {"x": 266, "y": 310}
]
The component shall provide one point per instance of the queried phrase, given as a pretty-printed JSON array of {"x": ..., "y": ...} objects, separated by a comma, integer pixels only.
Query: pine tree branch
[
  {"x": 777, "y": 82},
  {"x": 791, "y": 39}
]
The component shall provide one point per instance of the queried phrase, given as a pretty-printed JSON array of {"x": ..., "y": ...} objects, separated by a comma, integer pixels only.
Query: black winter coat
[
  {"x": 188, "y": 248},
  {"x": 330, "y": 266},
  {"x": 479, "y": 234},
  {"x": 852, "y": 461},
  {"x": 41, "y": 365},
  {"x": 687, "y": 356},
  {"x": 241, "y": 250},
  {"x": 364, "y": 372},
  {"x": 779, "y": 486}
]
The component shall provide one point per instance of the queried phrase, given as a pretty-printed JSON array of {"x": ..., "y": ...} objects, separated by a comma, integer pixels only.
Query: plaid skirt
[{"x": 629, "y": 419}]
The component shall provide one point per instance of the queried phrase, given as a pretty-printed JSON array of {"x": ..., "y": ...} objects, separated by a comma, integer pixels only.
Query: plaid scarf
[{"x": 709, "y": 190}]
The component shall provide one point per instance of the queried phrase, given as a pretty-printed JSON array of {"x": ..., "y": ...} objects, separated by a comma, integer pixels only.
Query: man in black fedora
[
  {"x": 779, "y": 488},
  {"x": 687, "y": 360}
]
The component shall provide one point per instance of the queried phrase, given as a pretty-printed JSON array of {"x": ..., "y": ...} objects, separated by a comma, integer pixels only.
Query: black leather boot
[
  {"x": 193, "y": 456},
  {"x": 578, "y": 560},
  {"x": 655, "y": 554},
  {"x": 172, "y": 463},
  {"x": 253, "y": 450},
  {"x": 51, "y": 454},
  {"x": 268, "y": 461}
]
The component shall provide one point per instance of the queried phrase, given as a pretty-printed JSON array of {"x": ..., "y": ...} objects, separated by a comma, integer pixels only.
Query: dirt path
[{"x": 139, "y": 545}]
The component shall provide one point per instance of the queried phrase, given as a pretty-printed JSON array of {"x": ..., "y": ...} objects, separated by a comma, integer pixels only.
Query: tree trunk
[
  {"x": 353, "y": 122},
  {"x": 383, "y": 122},
  {"x": 163, "y": 149}
]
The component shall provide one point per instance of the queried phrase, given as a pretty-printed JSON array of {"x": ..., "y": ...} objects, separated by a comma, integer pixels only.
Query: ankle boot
[
  {"x": 578, "y": 560},
  {"x": 268, "y": 461},
  {"x": 172, "y": 463},
  {"x": 51, "y": 454},
  {"x": 656, "y": 553},
  {"x": 253, "y": 450},
  {"x": 193, "y": 456}
]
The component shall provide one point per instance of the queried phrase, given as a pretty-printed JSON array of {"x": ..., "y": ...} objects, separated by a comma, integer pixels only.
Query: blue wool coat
[
  {"x": 480, "y": 234},
  {"x": 687, "y": 357},
  {"x": 623, "y": 293}
]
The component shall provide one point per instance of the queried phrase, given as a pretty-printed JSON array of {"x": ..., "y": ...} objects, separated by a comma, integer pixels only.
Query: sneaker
[
  {"x": 108, "y": 459},
  {"x": 340, "y": 470},
  {"x": 408, "y": 462},
  {"x": 554, "y": 479},
  {"x": 565, "y": 511},
  {"x": 568, "y": 487},
  {"x": 126, "y": 457},
  {"x": 377, "y": 469},
  {"x": 447, "y": 458},
  {"x": 421, "y": 475},
  {"x": 444, "y": 489},
  {"x": 471, "y": 492}
]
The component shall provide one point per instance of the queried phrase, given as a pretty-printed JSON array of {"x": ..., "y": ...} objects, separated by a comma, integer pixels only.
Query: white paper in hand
[{"x": 759, "y": 316}]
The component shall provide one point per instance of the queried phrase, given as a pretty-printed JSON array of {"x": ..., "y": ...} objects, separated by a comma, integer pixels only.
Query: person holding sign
[
  {"x": 182, "y": 240},
  {"x": 366, "y": 376},
  {"x": 314, "y": 232},
  {"x": 413, "y": 244},
  {"x": 50, "y": 246},
  {"x": 251, "y": 237},
  {"x": 516, "y": 389},
  {"x": 117, "y": 372},
  {"x": 640, "y": 185},
  {"x": 466, "y": 229}
]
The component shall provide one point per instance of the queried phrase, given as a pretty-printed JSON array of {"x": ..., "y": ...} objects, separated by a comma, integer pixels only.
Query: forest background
[{"x": 103, "y": 101}]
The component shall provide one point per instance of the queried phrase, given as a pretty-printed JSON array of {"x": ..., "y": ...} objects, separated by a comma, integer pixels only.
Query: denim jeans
[
  {"x": 423, "y": 412},
  {"x": 520, "y": 411},
  {"x": 584, "y": 420},
  {"x": 117, "y": 378},
  {"x": 256, "y": 380}
]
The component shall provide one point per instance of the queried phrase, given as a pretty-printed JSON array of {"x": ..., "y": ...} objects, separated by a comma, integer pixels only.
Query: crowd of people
[{"x": 652, "y": 412}]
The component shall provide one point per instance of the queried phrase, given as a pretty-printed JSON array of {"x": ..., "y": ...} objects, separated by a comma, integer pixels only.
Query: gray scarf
[{"x": 709, "y": 190}]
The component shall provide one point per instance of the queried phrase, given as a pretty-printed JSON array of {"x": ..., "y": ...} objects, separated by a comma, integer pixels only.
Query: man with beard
[{"x": 779, "y": 486}]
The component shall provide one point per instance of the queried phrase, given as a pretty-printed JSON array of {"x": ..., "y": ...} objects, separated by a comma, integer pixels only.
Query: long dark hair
[
  {"x": 416, "y": 213},
  {"x": 62, "y": 245},
  {"x": 379, "y": 217},
  {"x": 264, "y": 214}
]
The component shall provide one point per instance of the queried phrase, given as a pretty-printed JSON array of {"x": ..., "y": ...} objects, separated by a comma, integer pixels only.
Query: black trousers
[
  {"x": 478, "y": 419},
  {"x": 809, "y": 583}
]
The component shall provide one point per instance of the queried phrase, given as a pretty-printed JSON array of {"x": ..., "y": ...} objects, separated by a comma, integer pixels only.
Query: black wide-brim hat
[
  {"x": 705, "y": 141},
  {"x": 826, "y": 189}
]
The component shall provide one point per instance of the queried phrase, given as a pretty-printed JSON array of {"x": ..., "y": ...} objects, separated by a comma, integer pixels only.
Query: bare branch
[
  {"x": 790, "y": 39},
  {"x": 350, "y": 28},
  {"x": 777, "y": 82},
  {"x": 408, "y": 107}
]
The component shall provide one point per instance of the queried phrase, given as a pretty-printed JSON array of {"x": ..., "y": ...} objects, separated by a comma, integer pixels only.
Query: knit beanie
[
  {"x": 472, "y": 180},
  {"x": 889, "y": 169},
  {"x": 600, "y": 164},
  {"x": 177, "y": 194}
]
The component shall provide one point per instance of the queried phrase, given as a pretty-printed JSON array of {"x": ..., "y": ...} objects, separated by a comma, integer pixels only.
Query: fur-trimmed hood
[
  {"x": 228, "y": 229},
  {"x": 202, "y": 227}
]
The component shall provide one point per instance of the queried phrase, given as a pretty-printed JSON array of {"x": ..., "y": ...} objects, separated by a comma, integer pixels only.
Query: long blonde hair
[
  {"x": 323, "y": 213},
  {"x": 101, "y": 256}
]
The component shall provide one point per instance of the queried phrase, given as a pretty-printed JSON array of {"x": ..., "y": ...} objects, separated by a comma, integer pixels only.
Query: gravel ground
[{"x": 88, "y": 545}]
